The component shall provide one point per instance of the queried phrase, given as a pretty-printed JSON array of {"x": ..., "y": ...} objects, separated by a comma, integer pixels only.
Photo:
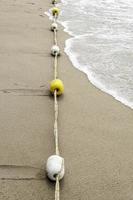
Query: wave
[{"x": 85, "y": 67}]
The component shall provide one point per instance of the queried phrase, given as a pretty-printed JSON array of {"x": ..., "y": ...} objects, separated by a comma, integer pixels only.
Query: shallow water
[{"x": 102, "y": 43}]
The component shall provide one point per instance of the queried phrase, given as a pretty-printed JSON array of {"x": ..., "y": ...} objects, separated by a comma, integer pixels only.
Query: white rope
[
  {"x": 57, "y": 184},
  {"x": 56, "y": 110},
  {"x": 55, "y": 37},
  {"x": 56, "y": 135},
  {"x": 55, "y": 18},
  {"x": 55, "y": 66},
  {"x": 56, "y": 124},
  {"x": 57, "y": 189}
]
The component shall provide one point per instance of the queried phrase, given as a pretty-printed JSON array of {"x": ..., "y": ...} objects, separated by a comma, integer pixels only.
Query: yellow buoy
[
  {"x": 57, "y": 85},
  {"x": 55, "y": 11}
]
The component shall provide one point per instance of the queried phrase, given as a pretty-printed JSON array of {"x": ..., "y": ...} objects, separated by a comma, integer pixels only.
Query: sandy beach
[{"x": 95, "y": 130}]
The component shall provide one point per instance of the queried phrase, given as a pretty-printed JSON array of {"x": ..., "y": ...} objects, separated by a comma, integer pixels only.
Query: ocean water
[{"x": 102, "y": 43}]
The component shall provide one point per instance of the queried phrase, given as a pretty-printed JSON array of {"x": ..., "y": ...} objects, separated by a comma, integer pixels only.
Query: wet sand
[{"x": 96, "y": 131}]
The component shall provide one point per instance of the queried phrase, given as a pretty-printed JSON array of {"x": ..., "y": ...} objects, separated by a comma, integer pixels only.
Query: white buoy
[
  {"x": 55, "y": 50},
  {"x": 54, "y": 26},
  {"x": 54, "y": 1},
  {"x": 54, "y": 167}
]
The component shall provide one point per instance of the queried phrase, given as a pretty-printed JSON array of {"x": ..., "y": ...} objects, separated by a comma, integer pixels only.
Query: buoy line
[{"x": 55, "y": 164}]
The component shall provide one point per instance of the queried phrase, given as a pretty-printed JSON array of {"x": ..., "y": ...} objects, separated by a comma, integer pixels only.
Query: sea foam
[{"x": 101, "y": 44}]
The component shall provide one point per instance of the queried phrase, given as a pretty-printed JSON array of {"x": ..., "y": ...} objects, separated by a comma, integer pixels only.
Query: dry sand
[{"x": 96, "y": 131}]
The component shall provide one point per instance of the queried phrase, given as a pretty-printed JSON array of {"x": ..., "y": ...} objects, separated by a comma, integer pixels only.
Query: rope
[
  {"x": 56, "y": 110},
  {"x": 55, "y": 37},
  {"x": 57, "y": 189},
  {"x": 55, "y": 16},
  {"x": 55, "y": 66},
  {"x": 56, "y": 124}
]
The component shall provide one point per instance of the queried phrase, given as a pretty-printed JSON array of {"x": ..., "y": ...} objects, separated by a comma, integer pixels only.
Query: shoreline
[
  {"x": 90, "y": 78},
  {"x": 89, "y": 74}
]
